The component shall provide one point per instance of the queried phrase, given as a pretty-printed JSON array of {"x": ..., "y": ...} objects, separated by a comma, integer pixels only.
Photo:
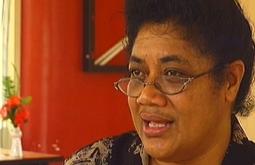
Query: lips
[{"x": 155, "y": 125}]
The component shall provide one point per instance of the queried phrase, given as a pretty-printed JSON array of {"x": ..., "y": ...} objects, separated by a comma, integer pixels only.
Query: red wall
[{"x": 70, "y": 108}]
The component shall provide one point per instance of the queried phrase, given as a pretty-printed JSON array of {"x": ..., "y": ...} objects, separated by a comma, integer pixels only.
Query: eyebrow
[
  {"x": 135, "y": 59},
  {"x": 173, "y": 58},
  {"x": 165, "y": 59}
]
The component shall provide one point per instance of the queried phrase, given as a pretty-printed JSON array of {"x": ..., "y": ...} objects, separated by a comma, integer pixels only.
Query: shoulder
[
  {"x": 241, "y": 153},
  {"x": 98, "y": 151},
  {"x": 106, "y": 151},
  {"x": 250, "y": 151}
]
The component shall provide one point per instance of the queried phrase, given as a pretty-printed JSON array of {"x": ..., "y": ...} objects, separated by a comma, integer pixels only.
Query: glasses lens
[
  {"x": 165, "y": 84},
  {"x": 172, "y": 84},
  {"x": 130, "y": 87},
  {"x": 123, "y": 84},
  {"x": 135, "y": 87}
]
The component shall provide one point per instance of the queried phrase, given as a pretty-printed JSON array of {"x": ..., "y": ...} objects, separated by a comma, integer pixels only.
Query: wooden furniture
[{"x": 30, "y": 158}]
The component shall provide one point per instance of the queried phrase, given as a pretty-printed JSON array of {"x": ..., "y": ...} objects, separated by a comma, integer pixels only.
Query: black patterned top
[{"x": 127, "y": 149}]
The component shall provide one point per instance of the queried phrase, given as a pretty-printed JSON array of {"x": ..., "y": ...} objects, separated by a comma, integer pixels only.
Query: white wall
[{"x": 249, "y": 123}]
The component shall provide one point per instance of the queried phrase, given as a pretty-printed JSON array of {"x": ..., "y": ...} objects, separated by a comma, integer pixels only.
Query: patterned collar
[{"x": 238, "y": 134}]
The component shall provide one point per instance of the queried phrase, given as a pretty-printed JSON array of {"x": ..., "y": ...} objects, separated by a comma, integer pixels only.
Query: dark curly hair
[{"x": 217, "y": 27}]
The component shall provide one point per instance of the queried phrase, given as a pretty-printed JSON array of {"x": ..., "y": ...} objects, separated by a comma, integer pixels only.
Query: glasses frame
[{"x": 187, "y": 80}]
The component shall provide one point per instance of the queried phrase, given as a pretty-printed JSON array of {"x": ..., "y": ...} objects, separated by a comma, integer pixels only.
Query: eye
[
  {"x": 136, "y": 73},
  {"x": 174, "y": 76},
  {"x": 174, "y": 73}
]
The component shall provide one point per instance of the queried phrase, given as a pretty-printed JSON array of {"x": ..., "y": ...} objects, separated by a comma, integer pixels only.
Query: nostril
[{"x": 151, "y": 96}]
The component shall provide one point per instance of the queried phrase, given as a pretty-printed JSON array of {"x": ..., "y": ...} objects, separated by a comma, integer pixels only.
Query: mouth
[{"x": 154, "y": 125}]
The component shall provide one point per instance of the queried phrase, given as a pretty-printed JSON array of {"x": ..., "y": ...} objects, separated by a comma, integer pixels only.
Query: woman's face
[{"x": 182, "y": 126}]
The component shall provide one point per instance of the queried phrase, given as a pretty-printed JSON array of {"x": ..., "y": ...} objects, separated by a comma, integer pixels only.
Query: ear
[{"x": 234, "y": 77}]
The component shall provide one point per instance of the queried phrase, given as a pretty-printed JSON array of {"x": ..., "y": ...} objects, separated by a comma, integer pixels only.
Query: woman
[{"x": 191, "y": 68}]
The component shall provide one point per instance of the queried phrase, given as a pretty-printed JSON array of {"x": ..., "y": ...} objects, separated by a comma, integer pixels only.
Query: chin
[{"x": 158, "y": 148}]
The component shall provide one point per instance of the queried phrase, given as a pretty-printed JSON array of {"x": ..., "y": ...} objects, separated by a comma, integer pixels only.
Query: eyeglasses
[{"x": 169, "y": 85}]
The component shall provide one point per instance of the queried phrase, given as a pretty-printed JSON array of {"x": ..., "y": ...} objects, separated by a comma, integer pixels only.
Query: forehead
[{"x": 160, "y": 42}]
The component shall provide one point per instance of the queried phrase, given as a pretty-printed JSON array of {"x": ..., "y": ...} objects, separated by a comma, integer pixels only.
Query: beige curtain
[
  {"x": 9, "y": 53},
  {"x": 4, "y": 31}
]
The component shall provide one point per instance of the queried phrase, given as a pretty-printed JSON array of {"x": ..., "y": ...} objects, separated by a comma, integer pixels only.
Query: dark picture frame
[{"x": 91, "y": 63}]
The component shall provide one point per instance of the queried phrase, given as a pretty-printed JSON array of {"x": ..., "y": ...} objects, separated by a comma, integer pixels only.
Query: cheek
[
  {"x": 131, "y": 104},
  {"x": 197, "y": 99},
  {"x": 198, "y": 110},
  {"x": 133, "y": 107}
]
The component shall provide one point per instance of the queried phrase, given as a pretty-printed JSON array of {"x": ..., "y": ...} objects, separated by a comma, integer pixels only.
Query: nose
[{"x": 151, "y": 96}]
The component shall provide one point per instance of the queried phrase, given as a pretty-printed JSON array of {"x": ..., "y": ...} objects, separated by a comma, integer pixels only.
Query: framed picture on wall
[{"x": 104, "y": 37}]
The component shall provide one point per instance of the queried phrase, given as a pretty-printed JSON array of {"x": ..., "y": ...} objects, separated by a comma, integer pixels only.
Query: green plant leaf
[
  {"x": 26, "y": 100},
  {"x": 9, "y": 87}
]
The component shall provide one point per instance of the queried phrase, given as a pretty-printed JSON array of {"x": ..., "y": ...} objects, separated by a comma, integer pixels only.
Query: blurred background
[{"x": 71, "y": 106}]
